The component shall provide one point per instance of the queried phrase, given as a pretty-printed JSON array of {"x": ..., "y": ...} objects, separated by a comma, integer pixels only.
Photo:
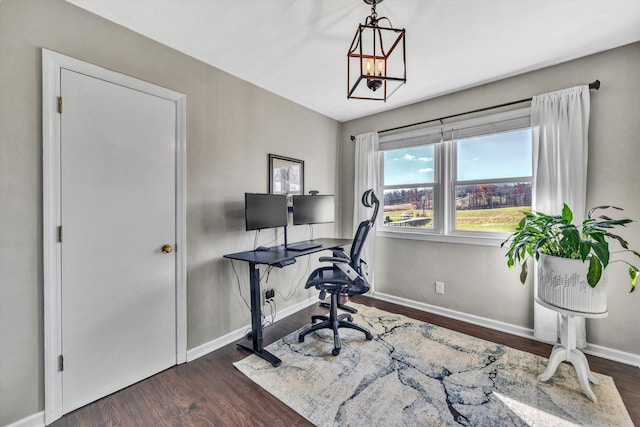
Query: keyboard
[{"x": 304, "y": 246}]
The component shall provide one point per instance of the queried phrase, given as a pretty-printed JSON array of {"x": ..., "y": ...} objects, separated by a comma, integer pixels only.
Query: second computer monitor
[{"x": 313, "y": 209}]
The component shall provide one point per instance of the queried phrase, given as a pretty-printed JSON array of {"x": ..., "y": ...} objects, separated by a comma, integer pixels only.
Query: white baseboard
[
  {"x": 233, "y": 336},
  {"x": 458, "y": 315},
  {"x": 594, "y": 350},
  {"x": 35, "y": 420},
  {"x": 613, "y": 354}
]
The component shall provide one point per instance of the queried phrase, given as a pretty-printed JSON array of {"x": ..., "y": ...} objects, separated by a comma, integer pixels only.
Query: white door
[{"x": 118, "y": 209}]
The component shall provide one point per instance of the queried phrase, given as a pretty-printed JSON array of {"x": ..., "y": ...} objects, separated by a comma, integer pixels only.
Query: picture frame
[{"x": 286, "y": 176}]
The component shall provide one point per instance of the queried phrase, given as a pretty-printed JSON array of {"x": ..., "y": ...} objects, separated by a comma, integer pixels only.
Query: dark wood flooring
[{"x": 209, "y": 391}]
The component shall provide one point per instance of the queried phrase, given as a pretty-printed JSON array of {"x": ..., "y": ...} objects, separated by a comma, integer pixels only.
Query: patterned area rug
[{"x": 414, "y": 373}]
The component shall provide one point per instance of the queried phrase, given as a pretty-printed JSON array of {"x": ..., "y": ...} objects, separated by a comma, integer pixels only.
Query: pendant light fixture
[{"x": 376, "y": 61}]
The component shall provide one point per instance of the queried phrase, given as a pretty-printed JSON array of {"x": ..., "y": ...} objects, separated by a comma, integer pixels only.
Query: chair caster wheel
[
  {"x": 350, "y": 319},
  {"x": 335, "y": 351},
  {"x": 300, "y": 338},
  {"x": 369, "y": 337}
]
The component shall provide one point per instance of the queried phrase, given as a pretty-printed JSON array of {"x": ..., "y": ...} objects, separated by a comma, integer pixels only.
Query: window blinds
[{"x": 495, "y": 123}]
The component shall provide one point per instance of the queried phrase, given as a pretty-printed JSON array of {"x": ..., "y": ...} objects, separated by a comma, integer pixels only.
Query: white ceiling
[{"x": 297, "y": 48}]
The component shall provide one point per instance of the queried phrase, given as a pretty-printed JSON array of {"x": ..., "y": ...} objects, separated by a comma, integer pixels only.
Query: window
[
  {"x": 409, "y": 187},
  {"x": 467, "y": 180},
  {"x": 492, "y": 181}
]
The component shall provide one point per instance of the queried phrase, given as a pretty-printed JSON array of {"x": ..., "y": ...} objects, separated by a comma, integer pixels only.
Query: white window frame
[{"x": 443, "y": 137}]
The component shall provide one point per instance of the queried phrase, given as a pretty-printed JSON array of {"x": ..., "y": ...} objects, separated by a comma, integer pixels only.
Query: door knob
[{"x": 167, "y": 249}]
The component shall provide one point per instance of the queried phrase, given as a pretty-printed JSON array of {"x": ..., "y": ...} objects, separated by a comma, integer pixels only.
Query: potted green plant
[{"x": 572, "y": 258}]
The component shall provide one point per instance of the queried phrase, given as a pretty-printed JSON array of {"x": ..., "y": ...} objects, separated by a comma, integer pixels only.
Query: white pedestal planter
[
  {"x": 563, "y": 283},
  {"x": 568, "y": 351}
]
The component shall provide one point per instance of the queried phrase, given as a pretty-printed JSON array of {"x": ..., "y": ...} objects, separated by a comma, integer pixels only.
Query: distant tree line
[
  {"x": 420, "y": 198},
  {"x": 490, "y": 196},
  {"x": 483, "y": 196}
]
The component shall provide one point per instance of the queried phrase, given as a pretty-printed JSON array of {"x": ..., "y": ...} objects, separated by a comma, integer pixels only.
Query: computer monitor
[
  {"x": 313, "y": 209},
  {"x": 265, "y": 210}
]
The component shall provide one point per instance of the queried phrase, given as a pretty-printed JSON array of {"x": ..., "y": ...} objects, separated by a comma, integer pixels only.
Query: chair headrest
[{"x": 369, "y": 199}]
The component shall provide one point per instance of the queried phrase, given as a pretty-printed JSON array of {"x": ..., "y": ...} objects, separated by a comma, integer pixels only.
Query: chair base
[
  {"x": 334, "y": 321},
  {"x": 340, "y": 306}
]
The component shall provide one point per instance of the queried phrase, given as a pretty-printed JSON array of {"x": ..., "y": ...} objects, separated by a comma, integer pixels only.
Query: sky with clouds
[{"x": 500, "y": 155}]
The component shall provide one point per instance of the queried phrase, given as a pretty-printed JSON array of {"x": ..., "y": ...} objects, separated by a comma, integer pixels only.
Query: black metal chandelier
[{"x": 376, "y": 61}]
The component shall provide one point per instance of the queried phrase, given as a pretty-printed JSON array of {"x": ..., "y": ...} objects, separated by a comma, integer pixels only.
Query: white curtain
[
  {"x": 366, "y": 177},
  {"x": 560, "y": 122}
]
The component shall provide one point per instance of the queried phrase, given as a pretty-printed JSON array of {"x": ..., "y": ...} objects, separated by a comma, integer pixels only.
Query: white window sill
[{"x": 495, "y": 239}]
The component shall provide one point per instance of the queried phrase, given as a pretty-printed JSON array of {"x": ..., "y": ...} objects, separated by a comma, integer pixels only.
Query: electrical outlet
[
  {"x": 440, "y": 288},
  {"x": 269, "y": 294}
]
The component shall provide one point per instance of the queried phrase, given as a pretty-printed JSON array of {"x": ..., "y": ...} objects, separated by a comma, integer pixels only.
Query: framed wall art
[{"x": 286, "y": 176}]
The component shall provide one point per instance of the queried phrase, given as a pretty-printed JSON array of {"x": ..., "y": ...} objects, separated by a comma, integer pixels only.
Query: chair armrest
[
  {"x": 339, "y": 253},
  {"x": 333, "y": 259}
]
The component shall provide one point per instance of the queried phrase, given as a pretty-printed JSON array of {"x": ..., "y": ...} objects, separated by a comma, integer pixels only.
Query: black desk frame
[{"x": 273, "y": 257}]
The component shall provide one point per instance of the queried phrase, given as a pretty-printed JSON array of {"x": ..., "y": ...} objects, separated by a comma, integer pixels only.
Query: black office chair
[{"x": 344, "y": 277}]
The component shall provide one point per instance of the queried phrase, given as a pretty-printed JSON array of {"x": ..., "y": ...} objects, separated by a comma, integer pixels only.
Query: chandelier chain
[{"x": 374, "y": 15}]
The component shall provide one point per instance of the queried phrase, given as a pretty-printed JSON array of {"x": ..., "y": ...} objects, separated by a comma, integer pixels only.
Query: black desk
[{"x": 275, "y": 256}]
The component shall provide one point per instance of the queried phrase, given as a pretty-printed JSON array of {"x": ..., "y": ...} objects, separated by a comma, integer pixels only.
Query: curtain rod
[{"x": 593, "y": 86}]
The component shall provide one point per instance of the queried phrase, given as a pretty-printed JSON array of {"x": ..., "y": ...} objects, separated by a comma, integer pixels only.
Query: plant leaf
[
  {"x": 595, "y": 272},
  {"x": 598, "y": 236},
  {"x": 623, "y": 242},
  {"x": 540, "y": 243},
  {"x": 592, "y": 210},
  {"x": 522, "y": 223},
  {"x": 523, "y": 272},
  {"x": 602, "y": 252},
  {"x": 567, "y": 215},
  {"x": 570, "y": 241},
  {"x": 633, "y": 272},
  {"x": 585, "y": 249}
]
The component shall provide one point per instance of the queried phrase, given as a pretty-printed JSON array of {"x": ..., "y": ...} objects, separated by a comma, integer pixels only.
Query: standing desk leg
[{"x": 256, "y": 318}]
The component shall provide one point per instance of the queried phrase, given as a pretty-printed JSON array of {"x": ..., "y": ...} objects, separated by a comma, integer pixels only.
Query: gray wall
[
  {"x": 476, "y": 277},
  {"x": 231, "y": 128}
]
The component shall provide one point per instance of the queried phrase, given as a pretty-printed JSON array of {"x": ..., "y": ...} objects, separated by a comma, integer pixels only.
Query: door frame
[{"x": 52, "y": 64}]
